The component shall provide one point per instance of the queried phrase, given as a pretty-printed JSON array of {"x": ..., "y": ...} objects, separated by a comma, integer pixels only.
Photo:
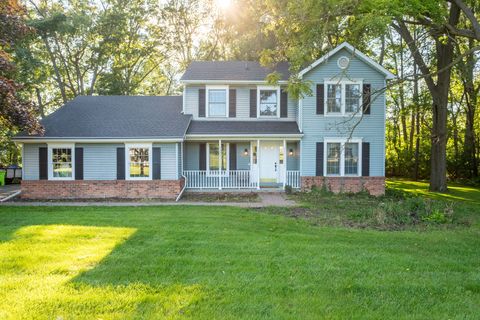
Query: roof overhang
[
  {"x": 93, "y": 140},
  {"x": 229, "y": 82},
  {"x": 242, "y": 137},
  {"x": 349, "y": 47}
]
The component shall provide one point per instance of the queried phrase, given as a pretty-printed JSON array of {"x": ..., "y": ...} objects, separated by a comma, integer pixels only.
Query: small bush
[{"x": 288, "y": 189}]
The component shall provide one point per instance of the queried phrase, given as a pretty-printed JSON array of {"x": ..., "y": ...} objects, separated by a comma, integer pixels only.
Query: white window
[
  {"x": 343, "y": 97},
  {"x": 342, "y": 157},
  {"x": 213, "y": 154},
  {"x": 139, "y": 162},
  {"x": 268, "y": 101},
  {"x": 61, "y": 162},
  {"x": 217, "y": 101}
]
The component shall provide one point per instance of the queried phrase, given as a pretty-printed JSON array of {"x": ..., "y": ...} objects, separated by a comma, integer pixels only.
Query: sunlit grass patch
[{"x": 456, "y": 191}]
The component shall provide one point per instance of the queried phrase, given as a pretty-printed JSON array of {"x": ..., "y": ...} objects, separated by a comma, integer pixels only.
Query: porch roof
[{"x": 219, "y": 128}]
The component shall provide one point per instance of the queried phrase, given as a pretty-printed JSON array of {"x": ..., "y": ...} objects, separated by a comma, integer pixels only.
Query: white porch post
[
  {"x": 258, "y": 164},
  {"x": 220, "y": 161},
  {"x": 284, "y": 163}
]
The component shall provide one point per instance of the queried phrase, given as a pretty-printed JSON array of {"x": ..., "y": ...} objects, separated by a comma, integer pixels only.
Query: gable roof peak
[{"x": 356, "y": 52}]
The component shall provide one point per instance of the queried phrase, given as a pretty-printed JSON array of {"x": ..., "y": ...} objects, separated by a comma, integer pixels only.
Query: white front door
[{"x": 269, "y": 161}]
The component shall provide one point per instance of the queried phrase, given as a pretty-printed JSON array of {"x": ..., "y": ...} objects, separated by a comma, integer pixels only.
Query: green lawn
[
  {"x": 455, "y": 191},
  {"x": 227, "y": 263}
]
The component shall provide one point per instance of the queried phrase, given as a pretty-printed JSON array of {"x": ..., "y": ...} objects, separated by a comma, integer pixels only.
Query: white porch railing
[
  {"x": 293, "y": 179},
  {"x": 215, "y": 179}
]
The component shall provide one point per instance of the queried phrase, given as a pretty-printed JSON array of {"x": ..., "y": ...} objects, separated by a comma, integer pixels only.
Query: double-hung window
[
  {"x": 217, "y": 101},
  {"x": 139, "y": 162},
  {"x": 61, "y": 162},
  {"x": 342, "y": 157},
  {"x": 268, "y": 101},
  {"x": 215, "y": 162},
  {"x": 343, "y": 97}
]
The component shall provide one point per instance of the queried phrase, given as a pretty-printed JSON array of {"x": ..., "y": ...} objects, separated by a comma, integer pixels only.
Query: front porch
[{"x": 236, "y": 164}]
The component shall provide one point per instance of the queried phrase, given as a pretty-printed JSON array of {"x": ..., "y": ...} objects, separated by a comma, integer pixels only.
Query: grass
[
  {"x": 185, "y": 262},
  {"x": 455, "y": 191}
]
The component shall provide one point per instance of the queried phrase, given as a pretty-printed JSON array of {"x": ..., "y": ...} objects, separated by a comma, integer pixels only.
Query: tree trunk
[{"x": 444, "y": 53}]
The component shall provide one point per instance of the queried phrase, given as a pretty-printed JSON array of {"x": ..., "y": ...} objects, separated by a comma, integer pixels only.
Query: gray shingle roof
[
  {"x": 243, "y": 127},
  {"x": 232, "y": 70},
  {"x": 117, "y": 117}
]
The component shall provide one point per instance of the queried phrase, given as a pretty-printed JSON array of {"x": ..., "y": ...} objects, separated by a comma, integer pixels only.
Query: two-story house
[{"x": 229, "y": 130}]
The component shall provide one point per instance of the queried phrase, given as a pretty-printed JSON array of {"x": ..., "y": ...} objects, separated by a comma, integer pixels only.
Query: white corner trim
[
  {"x": 346, "y": 45},
  {"x": 227, "y": 101},
  {"x": 51, "y": 146},
  {"x": 342, "y": 142},
  {"x": 128, "y": 146}
]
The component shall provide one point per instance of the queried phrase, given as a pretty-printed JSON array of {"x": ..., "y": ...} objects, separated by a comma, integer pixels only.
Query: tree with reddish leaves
[{"x": 16, "y": 113}]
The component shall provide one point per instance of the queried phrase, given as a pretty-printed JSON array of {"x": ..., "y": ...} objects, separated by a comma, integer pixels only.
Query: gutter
[{"x": 13, "y": 195}]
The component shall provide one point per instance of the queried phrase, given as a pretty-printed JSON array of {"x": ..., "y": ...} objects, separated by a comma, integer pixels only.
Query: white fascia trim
[
  {"x": 346, "y": 45},
  {"x": 91, "y": 140},
  {"x": 342, "y": 142},
  {"x": 229, "y": 81},
  {"x": 242, "y": 137},
  {"x": 51, "y": 146},
  {"x": 263, "y": 87},
  {"x": 128, "y": 146},
  {"x": 227, "y": 101}
]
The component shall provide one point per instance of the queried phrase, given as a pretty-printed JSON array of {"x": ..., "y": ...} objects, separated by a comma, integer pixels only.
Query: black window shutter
[
  {"x": 232, "y": 103},
  {"x": 320, "y": 99},
  {"x": 319, "y": 160},
  {"x": 367, "y": 92},
  {"x": 120, "y": 163},
  {"x": 78, "y": 163},
  {"x": 202, "y": 158},
  {"x": 253, "y": 103},
  {"x": 43, "y": 163},
  {"x": 233, "y": 156},
  {"x": 157, "y": 163},
  {"x": 201, "y": 103},
  {"x": 365, "y": 159},
  {"x": 284, "y": 104}
]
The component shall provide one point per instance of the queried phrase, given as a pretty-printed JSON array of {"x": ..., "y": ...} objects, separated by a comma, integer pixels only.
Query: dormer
[{"x": 236, "y": 90}]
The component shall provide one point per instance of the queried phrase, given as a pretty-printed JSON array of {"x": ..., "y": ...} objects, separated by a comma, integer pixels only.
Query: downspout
[{"x": 183, "y": 189}]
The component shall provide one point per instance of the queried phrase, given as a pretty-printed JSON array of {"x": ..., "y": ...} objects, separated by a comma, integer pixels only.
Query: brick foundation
[
  {"x": 97, "y": 189},
  {"x": 373, "y": 185}
]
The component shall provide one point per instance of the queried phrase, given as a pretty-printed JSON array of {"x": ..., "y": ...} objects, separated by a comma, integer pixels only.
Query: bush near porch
[{"x": 185, "y": 262}]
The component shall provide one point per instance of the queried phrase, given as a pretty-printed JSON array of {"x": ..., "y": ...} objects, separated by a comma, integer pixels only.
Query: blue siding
[
  {"x": 243, "y": 161},
  {"x": 293, "y": 162},
  {"x": 243, "y": 104},
  {"x": 371, "y": 128},
  {"x": 31, "y": 161},
  {"x": 168, "y": 160},
  {"x": 99, "y": 161}
]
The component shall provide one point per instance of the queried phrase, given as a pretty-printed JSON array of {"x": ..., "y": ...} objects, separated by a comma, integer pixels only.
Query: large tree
[{"x": 15, "y": 111}]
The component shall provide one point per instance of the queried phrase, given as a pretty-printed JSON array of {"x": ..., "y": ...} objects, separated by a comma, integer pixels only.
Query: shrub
[{"x": 288, "y": 189}]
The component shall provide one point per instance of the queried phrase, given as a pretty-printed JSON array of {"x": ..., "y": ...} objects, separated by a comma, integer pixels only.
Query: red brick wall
[
  {"x": 97, "y": 189},
  {"x": 373, "y": 185}
]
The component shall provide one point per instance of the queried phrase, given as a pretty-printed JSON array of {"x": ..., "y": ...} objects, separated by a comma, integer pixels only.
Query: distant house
[{"x": 229, "y": 130}]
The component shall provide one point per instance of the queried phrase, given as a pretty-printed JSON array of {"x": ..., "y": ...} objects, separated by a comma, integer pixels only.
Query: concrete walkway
[
  {"x": 8, "y": 191},
  {"x": 266, "y": 200}
]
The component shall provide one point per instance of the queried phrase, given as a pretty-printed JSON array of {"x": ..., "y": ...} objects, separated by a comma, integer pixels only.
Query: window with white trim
[
  {"x": 343, "y": 97},
  {"x": 139, "y": 162},
  {"x": 213, "y": 153},
  {"x": 217, "y": 101},
  {"x": 61, "y": 162},
  {"x": 268, "y": 101},
  {"x": 342, "y": 157}
]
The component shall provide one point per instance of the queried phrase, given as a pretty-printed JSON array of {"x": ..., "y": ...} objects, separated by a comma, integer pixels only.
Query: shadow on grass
[{"x": 206, "y": 263}]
